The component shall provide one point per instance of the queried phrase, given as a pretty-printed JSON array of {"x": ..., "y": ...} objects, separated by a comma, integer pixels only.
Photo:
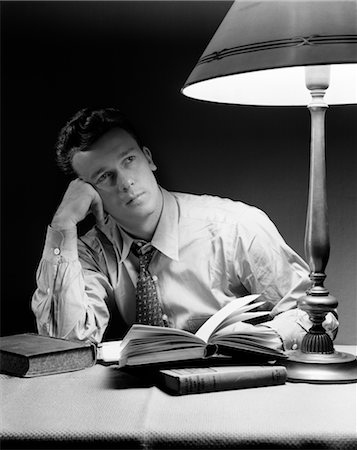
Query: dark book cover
[
  {"x": 30, "y": 355},
  {"x": 196, "y": 380}
]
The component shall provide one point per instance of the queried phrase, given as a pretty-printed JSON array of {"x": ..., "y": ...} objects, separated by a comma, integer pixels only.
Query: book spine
[{"x": 210, "y": 382}]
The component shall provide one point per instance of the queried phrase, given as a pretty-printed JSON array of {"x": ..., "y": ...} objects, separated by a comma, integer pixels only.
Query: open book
[{"x": 222, "y": 334}]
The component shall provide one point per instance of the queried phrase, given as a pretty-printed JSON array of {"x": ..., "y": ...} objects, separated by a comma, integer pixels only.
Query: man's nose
[{"x": 124, "y": 183}]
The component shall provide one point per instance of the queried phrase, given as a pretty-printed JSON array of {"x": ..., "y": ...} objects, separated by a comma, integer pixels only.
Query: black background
[{"x": 58, "y": 57}]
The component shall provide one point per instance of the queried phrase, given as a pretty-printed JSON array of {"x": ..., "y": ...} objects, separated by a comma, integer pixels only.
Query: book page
[
  {"x": 109, "y": 351},
  {"x": 155, "y": 333},
  {"x": 234, "y": 307},
  {"x": 245, "y": 336},
  {"x": 166, "y": 356},
  {"x": 144, "y": 340},
  {"x": 237, "y": 317}
]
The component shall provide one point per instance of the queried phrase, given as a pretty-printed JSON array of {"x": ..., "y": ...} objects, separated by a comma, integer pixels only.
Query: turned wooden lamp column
[
  {"x": 317, "y": 360},
  {"x": 317, "y": 302}
]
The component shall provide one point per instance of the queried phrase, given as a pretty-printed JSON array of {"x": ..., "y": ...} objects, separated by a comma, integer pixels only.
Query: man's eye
[
  {"x": 104, "y": 177},
  {"x": 130, "y": 159}
]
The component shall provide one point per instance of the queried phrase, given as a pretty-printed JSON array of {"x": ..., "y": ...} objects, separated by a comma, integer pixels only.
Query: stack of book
[
  {"x": 223, "y": 354},
  {"x": 219, "y": 356}
]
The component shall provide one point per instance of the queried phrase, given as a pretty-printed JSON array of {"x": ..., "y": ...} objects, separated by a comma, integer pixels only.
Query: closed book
[
  {"x": 32, "y": 355},
  {"x": 195, "y": 380}
]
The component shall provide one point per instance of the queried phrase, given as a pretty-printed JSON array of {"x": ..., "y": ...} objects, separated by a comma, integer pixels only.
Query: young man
[{"x": 204, "y": 250}]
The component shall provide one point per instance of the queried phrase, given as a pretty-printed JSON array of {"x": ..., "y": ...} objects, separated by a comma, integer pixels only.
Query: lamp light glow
[{"x": 275, "y": 87}]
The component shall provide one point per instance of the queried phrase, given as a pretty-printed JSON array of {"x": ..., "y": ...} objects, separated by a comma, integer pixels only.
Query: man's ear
[{"x": 148, "y": 156}]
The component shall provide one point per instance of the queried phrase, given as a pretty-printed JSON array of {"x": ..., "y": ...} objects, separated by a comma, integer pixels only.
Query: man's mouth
[{"x": 132, "y": 200}]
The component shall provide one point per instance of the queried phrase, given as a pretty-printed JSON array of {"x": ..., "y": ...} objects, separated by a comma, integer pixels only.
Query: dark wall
[{"x": 58, "y": 57}]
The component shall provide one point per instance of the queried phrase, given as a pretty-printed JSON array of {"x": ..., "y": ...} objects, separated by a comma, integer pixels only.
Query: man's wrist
[
  {"x": 61, "y": 245},
  {"x": 59, "y": 224}
]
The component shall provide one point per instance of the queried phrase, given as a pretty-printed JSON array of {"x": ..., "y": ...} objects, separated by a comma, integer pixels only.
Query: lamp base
[{"x": 319, "y": 368}]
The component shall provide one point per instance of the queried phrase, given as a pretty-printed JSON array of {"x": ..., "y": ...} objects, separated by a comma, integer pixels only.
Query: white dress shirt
[{"x": 210, "y": 251}]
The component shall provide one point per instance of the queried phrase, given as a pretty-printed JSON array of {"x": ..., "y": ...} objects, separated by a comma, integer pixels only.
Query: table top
[{"x": 104, "y": 407}]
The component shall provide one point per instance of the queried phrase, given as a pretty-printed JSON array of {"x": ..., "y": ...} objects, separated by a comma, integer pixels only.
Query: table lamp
[{"x": 292, "y": 53}]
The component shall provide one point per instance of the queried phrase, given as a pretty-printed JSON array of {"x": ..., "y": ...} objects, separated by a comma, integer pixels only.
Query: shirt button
[
  {"x": 56, "y": 251},
  {"x": 154, "y": 278},
  {"x": 294, "y": 346}
]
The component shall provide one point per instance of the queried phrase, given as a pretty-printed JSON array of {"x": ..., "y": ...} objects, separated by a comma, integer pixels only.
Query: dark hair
[{"x": 83, "y": 129}]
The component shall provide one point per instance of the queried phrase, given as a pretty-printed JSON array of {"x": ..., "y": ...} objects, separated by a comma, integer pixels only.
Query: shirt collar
[{"x": 165, "y": 237}]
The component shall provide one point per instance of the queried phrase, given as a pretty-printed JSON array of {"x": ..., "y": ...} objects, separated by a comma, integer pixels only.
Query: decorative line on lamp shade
[
  {"x": 259, "y": 46},
  {"x": 258, "y": 54}
]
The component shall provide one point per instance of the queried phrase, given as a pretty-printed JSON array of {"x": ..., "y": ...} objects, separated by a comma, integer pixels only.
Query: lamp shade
[{"x": 259, "y": 53}]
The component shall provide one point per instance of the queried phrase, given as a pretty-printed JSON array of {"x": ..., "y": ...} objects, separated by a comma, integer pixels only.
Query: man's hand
[
  {"x": 292, "y": 326},
  {"x": 79, "y": 200}
]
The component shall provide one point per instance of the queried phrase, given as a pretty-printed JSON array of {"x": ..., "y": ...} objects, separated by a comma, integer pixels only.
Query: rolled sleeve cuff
[
  {"x": 291, "y": 326},
  {"x": 61, "y": 245},
  {"x": 289, "y": 340},
  {"x": 289, "y": 329}
]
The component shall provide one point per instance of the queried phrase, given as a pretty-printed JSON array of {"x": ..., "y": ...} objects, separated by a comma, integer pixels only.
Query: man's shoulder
[{"x": 215, "y": 209}]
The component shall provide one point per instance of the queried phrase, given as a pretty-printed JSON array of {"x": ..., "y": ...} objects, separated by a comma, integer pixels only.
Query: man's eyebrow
[
  {"x": 121, "y": 155},
  {"x": 97, "y": 172}
]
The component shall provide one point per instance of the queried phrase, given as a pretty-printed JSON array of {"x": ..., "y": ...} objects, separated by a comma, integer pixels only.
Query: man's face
[{"x": 122, "y": 174}]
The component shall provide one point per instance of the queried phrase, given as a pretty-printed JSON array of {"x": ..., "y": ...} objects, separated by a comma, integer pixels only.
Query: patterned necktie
[{"x": 148, "y": 308}]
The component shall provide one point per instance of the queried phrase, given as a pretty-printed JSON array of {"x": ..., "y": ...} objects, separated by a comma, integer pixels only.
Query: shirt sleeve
[
  {"x": 291, "y": 326},
  {"x": 69, "y": 301},
  {"x": 266, "y": 265}
]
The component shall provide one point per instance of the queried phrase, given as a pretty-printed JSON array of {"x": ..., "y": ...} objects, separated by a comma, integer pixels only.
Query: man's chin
[{"x": 132, "y": 214}]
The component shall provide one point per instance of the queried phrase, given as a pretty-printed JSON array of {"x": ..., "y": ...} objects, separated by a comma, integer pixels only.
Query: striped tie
[{"x": 148, "y": 308}]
